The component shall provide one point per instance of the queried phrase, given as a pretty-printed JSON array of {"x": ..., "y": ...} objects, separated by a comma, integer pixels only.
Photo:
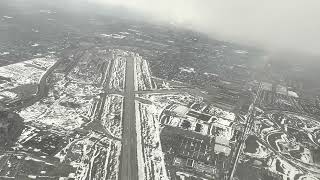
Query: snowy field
[
  {"x": 163, "y": 100},
  {"x": 118, "y": 70},
  {"x": 90, "y": 66},
  {"x": 142, "y": 74},
  {"x": 112, "y": 115},
  {"x": 25, "y": 74},
  {"x": 67, "y": 107},
  {"x": 115, "y": 36},
  {"x": 150, "y": 157}
]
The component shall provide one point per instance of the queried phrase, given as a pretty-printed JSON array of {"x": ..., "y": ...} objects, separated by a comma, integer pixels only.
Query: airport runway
[{"x": 129, "y": 163}]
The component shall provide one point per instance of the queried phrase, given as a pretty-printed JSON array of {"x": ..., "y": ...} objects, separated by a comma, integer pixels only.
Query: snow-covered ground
[
  {"x": 118, "y": 71},
  {"x": 261, "y": 151},
  {"x": 27, "y": 134},
  {"x": 7, "y": 17},
  {"x": 221, "y": 113},
  {"x": 94, "y": 157},
  {"x": 67, "y": 107},
  {"x": 23, "y": 73},
  {"x": 90, "y": 67},
  {"x": 241, "y": 52},
  {"x": 163, "y": 100},
  {"x": 53, "y": 113},
  {"x": 179, "y": 121},
  {"x": 4, "y": 53},
  {"x": 115, "y": 36},
  {"x": 112, "y": 115},
  {"x": 289, "y": 170},
  {"x": 286, "y": 143},
  {"x": 187, "y": 69},
  {"x": 35, "y": 45},
  {"x": 211, "y": 74},
  {"x": 150, "y": 157},
  {"x": 27, "y": 72},
  {"x": 142, "y": 74}
]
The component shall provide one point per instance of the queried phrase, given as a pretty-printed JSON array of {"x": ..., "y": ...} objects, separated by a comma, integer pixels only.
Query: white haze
[{"x": 273, "y": 24}]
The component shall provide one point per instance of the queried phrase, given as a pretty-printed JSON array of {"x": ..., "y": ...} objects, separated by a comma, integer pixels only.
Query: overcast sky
[{"x": 274, "y": 24}]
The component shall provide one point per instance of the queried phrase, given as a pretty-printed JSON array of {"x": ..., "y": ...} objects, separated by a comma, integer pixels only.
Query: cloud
[{"x": 273, "y": 24}]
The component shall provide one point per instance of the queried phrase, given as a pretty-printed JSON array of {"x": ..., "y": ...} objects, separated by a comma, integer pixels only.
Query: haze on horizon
[
  {"x": 273, "y": 25},
  {"x": 285, "y": 25}
]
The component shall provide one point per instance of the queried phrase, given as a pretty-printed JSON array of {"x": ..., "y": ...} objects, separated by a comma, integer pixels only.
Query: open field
[
  {"x": 152, "y": 158},
  {"x": 112, "y": 115},
  {"x": 118, "y": 71},
  {"x": 21, "y": 80},
  {"x": 142, "y": 75}
]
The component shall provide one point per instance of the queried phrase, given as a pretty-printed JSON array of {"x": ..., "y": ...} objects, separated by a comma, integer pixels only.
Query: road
[
  {"x": 249, "y": 123},
  {"x": 192, "y": 91},
  {"x": 42, "y": 90},
  {"x": 129, "y": 163}
]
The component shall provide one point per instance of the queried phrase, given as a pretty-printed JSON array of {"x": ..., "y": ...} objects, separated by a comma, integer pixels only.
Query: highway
[
  {"x": 249, "y": 123},
  {"x": 129, "y": 163},
  {"x": 42, "y": 90}
]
